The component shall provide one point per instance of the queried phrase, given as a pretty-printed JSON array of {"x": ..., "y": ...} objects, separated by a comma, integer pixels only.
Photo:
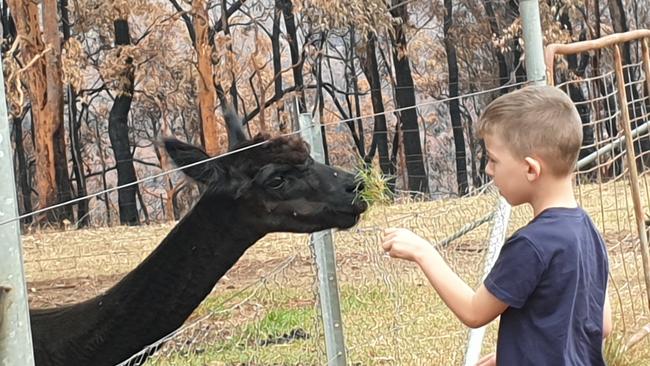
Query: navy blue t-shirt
[{"x": 553, "y": 275}]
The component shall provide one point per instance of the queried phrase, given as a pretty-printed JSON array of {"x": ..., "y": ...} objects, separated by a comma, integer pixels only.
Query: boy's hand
[
  {"x": 404, "y": 244},
  {"x": 489, "y": 360}
]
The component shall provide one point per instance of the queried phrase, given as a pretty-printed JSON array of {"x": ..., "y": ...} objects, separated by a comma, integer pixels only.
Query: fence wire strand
[{"x": 391, "y": 316}]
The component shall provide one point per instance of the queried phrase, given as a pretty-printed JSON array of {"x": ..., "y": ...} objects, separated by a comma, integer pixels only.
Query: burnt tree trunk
[
  {"x": 405, "y": 95},
  {"x": 619, "y": 23},
  {"x": 277, "y": 67},
  {"x": 52, "y": 39},
  {"x": 46, "y": 101},
  {"x": 163, "y": 157},
  {"x": 517, "y": 64},
  {"x": 504, "y": 77},
  {"x": 118, "y": 131},
  {"x": 575, "y": 91},
  {"x": 74, "y": 122},
  {"x": 102, "y": 160},
  {"x": 454, "y": 103},
  {"x": 22, "y": 170},
  {"x": 234, "y": 95},
  {"x": 296, "y": 60},
  {"x": 635, "y": 106},
  {"x": 380, "y": 133},
  {"x": 207, "y": 93},
  {"x": 321, "y": 99},
  {"x": 21, "y": 167},
  {"x": 355, "y": 87}
]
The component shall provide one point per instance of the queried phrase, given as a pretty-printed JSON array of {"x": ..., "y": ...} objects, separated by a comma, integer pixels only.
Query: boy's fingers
[
  {"x": 387, "y": 237},
  {"x": 387, "y": 245},
  {"x": 391, "y": 233},
  {"x": 391, "y": 230}
]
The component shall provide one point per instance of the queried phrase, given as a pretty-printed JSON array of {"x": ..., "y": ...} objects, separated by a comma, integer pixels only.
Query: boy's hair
[{"x": 536, "y": 121}]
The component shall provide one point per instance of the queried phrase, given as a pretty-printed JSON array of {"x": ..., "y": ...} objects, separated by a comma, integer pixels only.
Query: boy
[{"x": 549, "y": 281}]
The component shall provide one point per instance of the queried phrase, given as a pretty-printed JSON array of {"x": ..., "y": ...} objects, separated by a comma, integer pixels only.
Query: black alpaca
[{"x": 274, "y": 187}]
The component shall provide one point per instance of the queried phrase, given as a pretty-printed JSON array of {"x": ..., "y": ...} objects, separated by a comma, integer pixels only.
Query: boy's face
[{"x": 508, "y": 171}]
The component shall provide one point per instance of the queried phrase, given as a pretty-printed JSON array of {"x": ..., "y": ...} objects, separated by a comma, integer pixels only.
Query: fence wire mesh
[
  {"x": 604, "y": 183},
  {"x": 265, "y": 310}
]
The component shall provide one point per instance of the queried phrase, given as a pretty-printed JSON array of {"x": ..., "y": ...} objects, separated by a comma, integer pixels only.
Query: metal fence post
[
  {"x": 325, "y": 262},
  {"x": 15, "y": 334},
  {"x": 497, "y": 237},
  {"x": 532, "y": 31}
]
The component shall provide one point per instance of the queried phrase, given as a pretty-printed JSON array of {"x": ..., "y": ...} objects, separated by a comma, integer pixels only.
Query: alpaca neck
[
  {"x": 156, "y": 297},
  {"x": 184, "y": 268}
]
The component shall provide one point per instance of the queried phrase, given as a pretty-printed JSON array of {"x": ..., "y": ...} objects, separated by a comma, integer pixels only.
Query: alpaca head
[{"x": 274, "y": 181}]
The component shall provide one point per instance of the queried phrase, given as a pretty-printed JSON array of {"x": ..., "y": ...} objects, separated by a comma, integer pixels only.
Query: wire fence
[
  {"x": 245, "y": 321},
  {"x": 612, "y": 180},
  {"x": 264, "y": 311}
]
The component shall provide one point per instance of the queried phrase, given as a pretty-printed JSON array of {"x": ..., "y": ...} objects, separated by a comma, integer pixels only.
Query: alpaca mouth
[
  {"x": 351, "y": 217},
  {"x": 359, "y": 207}
]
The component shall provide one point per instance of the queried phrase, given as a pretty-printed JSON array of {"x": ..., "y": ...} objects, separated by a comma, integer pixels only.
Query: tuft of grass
[
  {"x": 376, "y": 191},
  {"x": 375, "y": 185},
  {"x": 278, "y": 322}
]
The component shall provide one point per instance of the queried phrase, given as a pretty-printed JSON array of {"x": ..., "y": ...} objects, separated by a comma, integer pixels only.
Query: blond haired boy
[{"x": 550, "y": 279}]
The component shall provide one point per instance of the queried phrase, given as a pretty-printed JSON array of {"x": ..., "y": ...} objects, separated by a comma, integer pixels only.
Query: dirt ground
[
  {"x": 69, "y": 267},
  {"x": 250, "y": 268},
  {"x": 66, "y": 291}
]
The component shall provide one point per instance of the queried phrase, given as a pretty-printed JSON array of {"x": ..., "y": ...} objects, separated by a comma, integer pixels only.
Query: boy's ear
[{"x": 534, "y": 168}]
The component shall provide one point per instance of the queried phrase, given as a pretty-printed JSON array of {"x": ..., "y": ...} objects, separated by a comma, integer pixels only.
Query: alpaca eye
[{"x": 276, "y": 182}]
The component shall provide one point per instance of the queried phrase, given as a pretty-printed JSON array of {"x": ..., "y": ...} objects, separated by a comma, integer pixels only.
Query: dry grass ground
[{"x": 265, "y": 312}]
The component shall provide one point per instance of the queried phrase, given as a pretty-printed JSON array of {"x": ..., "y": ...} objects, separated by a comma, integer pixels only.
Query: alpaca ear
[{"x": 185, "y": 154}]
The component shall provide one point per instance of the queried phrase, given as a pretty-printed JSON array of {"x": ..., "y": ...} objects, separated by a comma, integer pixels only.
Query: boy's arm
[
  {"x": 607, "y": 316},
  {"x": 473, "y": 308}
]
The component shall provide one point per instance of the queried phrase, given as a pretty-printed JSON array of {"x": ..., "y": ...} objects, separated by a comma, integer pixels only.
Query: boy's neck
[{"x": 553, "y": 192}]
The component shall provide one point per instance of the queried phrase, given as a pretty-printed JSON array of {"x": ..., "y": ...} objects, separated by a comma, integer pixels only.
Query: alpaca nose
[
  {"x": 357, "y": 186},
  {"x": 350, "y": 183}
]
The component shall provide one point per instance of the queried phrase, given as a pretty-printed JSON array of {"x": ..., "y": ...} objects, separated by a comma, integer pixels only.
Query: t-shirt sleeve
[{"x": 516, "y": 273}]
